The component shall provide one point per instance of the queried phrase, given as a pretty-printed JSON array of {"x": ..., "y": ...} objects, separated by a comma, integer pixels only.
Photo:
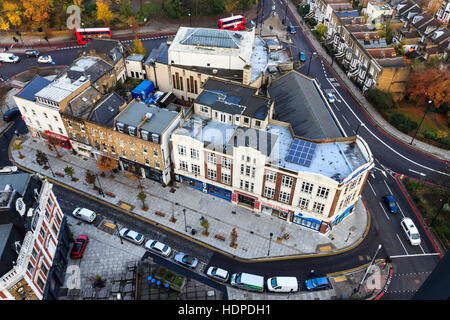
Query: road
[{"x": 411, "y": 264}]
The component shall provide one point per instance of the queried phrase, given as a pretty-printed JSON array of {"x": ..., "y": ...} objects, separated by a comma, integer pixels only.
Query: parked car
[
  {"x": 84, "y": 214},
  {"x": 330, "y": 97},
  {"x": 11, "y": 114},
  {"x": 282, "y": 284},
  {"x": 291, "y": 29},
  {"x": 9, "y": 57},
  {"x": 45, "y": 59},
  {"x": 8, "y": 169},
  {"x": 410, "y": 231},
  {"x": 218, "y": 274},
  {"x": 391, "y": 204},
  {"x": 78, "y": 247},
  {"x": 158, "y": 247},
  {"x": 317, "y": 284},
  {"x": 185, "y": 259},
  {"x": 301, "y": 56},
  {"x": 131, "y": 235},
  {"x": 31, "y": 53}
]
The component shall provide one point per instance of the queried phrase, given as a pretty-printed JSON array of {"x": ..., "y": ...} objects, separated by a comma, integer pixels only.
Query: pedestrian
[{"x": 311, "y": 273}]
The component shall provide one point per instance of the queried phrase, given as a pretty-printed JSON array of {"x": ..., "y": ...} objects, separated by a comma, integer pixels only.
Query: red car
[{"x": 78, "y": 247}]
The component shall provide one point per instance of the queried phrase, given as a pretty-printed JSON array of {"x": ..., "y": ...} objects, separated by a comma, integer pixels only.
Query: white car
[
  {"x": 218, "y": 274},
  {"x": 8, "y": 169},
  {"x": 131, "y": 235},
  {"x": 330, "y": 97},
  {"x": 84, "y": 214},
  {"x": 410, "y": 231},
  {"x": 158, "y": 247},
  {"x": 45, "y": 59}
]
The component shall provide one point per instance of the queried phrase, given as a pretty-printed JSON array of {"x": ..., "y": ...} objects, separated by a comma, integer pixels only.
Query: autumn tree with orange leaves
[
  {"x": 37, "y": 11},
  {"x": 429, "y": 82}
]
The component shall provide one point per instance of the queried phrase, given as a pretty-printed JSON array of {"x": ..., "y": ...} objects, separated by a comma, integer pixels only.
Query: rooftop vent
[{"x": 148, "y": 116}]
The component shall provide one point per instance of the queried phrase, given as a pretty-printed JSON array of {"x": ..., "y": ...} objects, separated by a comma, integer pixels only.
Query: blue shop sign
[{"x": 310, "y": 223}]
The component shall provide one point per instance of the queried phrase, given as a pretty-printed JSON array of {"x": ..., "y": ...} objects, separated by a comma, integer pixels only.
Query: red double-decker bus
[
  {"x": 87, "y": 34},
  {"x": 232, "y": 23}
]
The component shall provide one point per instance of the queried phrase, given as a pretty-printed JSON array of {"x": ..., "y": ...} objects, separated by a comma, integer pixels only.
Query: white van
[
  {"x": 8, "y": 57},
  {"x": 410, "y": 231},
  {"x": 247, "y": 281},
  {"x": 84, "y": 214},
  {"x": 282, "y": 284}
]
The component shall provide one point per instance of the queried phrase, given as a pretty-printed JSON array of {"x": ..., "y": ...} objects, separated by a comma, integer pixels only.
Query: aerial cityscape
[{"x": 224, "y": 151}]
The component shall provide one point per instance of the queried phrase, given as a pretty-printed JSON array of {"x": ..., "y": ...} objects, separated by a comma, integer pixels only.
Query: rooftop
[
  {"x": 61, "y": 88},
  {"x": 90, "y": 67},
  {"x": 136, "y": 57},
  {"x": 234, "y": 99},
  {"x": 105, "y": 112},
  {"x": 299, "y": 102},
  {"x": 113, "y": 49},
  {"x": 33, "y": 87},
  {"x": 82, "y": 105},
  {"x": 135, "y": 113}
]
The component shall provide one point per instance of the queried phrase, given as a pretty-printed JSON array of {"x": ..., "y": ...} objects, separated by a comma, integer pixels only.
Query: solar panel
[{"x": 301, "y": 152}]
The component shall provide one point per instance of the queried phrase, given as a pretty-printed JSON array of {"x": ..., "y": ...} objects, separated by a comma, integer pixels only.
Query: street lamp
[
  {"x": 270, "y": 240},
  {"x": 190, "y": 21},
  {"x": 424, "y": 114},
  {"x": 101, "y": 189},
  {"x": 367, "y": 270},
  {"x": 310, "y": 59},
  {"x": 359, "y": 126},
  {"x": 185, "y": 225}
]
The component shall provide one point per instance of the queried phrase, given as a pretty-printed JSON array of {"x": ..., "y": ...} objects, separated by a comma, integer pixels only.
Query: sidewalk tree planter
[
  {"x": 233, "y": 236},
  {"x": 205, "y": 224},
  {"x": 90, "y": 178},
  {"x": 41, "y": 158},
  {"x": 68, "y": 170},
  {"x": 142, "y": 196},
  {"x": 106, "y": 163}
]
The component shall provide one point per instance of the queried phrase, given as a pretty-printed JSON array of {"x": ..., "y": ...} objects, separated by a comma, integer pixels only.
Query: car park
[
  {"x": 78, "y": 247},
  {"x": 158, "y": 247},
  {"x": 319, "y": 283},
  {"x": 84, "y": 214},
  {"x": 247, "y": 281},
  {"x": 330, "y": 97},
  {"x": 45, "y": 59},
  {"x": 131, "y": 236},
  {"x": 218, "y": 274},
  {"x": 8, "y": 169},
  {"x": 11, "y": 114},
  {"x": 291, "y": 30},
  {"x": 282, "y": 284},
  {"x": 31, "y": 53},
  {"x": 391, "y": 204},
  {"x": 301, "y": 56},
  {"x": 186, "y": 260},
  {"x": 410, "y": 231}
]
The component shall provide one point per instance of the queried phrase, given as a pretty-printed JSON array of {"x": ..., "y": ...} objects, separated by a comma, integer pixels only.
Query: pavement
[{"x": 374, "y": 116}]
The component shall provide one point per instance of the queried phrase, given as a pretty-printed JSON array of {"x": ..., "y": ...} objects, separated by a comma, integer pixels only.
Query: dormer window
[
  {"x": 132, "y": 130},
  {"x": 120, "y": 127},
  {"x": 144, "y": 134}
]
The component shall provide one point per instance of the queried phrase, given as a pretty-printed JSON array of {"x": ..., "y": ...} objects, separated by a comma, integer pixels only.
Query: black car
[
  {"x": 11, "y": 114},
  {"x": 31, "y": 53}
]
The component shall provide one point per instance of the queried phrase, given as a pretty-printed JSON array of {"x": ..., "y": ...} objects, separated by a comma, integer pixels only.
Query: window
[
  {"x": 226, "y": 163},
  {"x": 226, "y": 178},
  {"x": 287, "y": 181},
  {"x": 307, "y": 187},
  {"x": 211, "y": 158},
  {"x": 247, "y": 171},
  {"x": 34, "y": 254},
  {"x": 132, "y": 131},
  {"x": 212, "y": 174},
  {"x": 246, "y": 120},
  {"x": 269, "y": 192},
  {"x": 131, "y": 146},
  {"x": 82, "y": 128},
  {"x": 181, "y": 150},
  {"x": 124, "y": 154},
  {"x": 60, "y": 130},
  {"x": 69, "y": 124},
  {"x": 271, "y": 176},
  {"x": 113, "y": 150},
  {"x": 100, "y": 134},
  {"x": 42, "y": 232},
  {"x": 318, "y": 207},
  {"x": 45, "y": 115},
  {"x": 155, "y": 153},
  {"x": 183, "y": 165},
  {"x": 204, "y": 109},
  {"x": 303, "y": 203},
  {"x": 144, "y": 134},
  {"x": 195, "y": 168},
  {"x": 30, "y": 268},
  {"x": 47, "y": 214},
  {"x": 44, "y": 269},
  {"x": 40, "y": 283},
  {"x": 144, "y": 150},
  {"x": 195, "y": 154},
  {"x": 242, "y": 168},
  {"x": 146, "y": 161},
  {"x": 258, "y": 123},
  {"x": 50, "y": 127},
  {"x": 323, "y": 192},
  {"x": 93, "y": 132},
  {"x": 284, "y": 197}
]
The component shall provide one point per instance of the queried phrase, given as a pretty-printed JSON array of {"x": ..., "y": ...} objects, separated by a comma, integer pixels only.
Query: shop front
[
  {"x": 219, "y": 192},
  {"x": 275, "y": 211},
  {"x": 138, "y": 169},
  {"x": 205, "y": 187},
  {"x": 343, "y": 215},
  {"x": 58, "y": 140},
  {"x": 310, "y": 223},
  {"x": 245, "y": 200}
]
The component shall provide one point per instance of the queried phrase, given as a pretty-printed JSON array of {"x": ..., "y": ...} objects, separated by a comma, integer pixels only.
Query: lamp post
[
  {"x": 190, "y": 21},
  {"x": 270, "y": 240},
  {"x": 185, "y": 225},
  {"x": 101, "y": 189},
  {"x": 51, "y": 170},
  {"x": 424, "y": 114},
  {"x": 310, "y": 59},
  {"x": 367, "y": 270},
  {"x": 359, "y": 126}
]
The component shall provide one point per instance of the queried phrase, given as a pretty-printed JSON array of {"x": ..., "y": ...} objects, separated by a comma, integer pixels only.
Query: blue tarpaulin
[{"x": 143, "y": 90}]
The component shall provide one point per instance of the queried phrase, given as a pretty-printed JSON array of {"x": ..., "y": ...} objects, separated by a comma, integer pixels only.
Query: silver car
[
  {"x": 131, "y": 235},
  {"x": 158, "y": 247},
  {"x": 186, "y": 260}
]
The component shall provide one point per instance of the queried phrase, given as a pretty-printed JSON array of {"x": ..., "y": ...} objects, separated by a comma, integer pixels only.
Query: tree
[
  {"x": 4, "y": 24},
  {"x": 106, "y": 163},
  {"x": 103, "y": 11},
  {"x": 205, "y": 224},
  {"x": 389, "y": 34},
  {"x": 41, "y": 158},
  {"x": 69, "y": 171},
  {"x": 125, "y": 8},
  {"x": 399, "y": 49},
  {"x": 37, "y": 11},
  {"x": 429, "y": 83},
  {"x": 142, "y": 196},
  {"x": 321, "y": 29},
  {"x": 13, "y": 13},
  {"x": 217, "y": 6},
  {"x": 138, "y": 46},
  {"x": 90, "y": 178},
  {"x": 233, "y": 237}
]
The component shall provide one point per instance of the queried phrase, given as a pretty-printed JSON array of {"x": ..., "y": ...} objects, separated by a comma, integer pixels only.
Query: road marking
[
  {"x": 401, "y": 244},
  {"x": 401, "y": 211},
  {"x": 346, "y": 121},
  {"x": 417, "y": 172},
  {"x": 383, "y": 210},
  {"x": 390, "y": 191},
  {"x": 415, "y": 255},
  {"x": 370, "y": 185},
  {"x": 390, "y": 148}
]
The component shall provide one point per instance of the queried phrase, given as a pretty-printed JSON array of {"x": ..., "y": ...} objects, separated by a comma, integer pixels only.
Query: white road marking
[
  {"x": 383, "y": 210},
  {"x": 346, "y": 121},
  {"x": 390, "y": 148},
  {"x": 370, "y": 185},
  {"x": 390, "y": 191},
  {"x": 401, "y": 211},
  {"x": 417, "y": 172},
  {"x": 401, "y": 243},
  {"x": 415, "y": 255}
]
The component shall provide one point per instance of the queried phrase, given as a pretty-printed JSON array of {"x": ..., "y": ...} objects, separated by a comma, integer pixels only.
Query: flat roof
[
  {"x": 134, "y": 113},
  {"x": 33, "y": 87},
  {"x": 60, "y": 88}
]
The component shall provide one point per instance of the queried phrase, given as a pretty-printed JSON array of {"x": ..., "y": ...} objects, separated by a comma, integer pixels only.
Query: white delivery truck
[
  {"x": 8, "y": 57},
  {"x": 248, "y": 281}
]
